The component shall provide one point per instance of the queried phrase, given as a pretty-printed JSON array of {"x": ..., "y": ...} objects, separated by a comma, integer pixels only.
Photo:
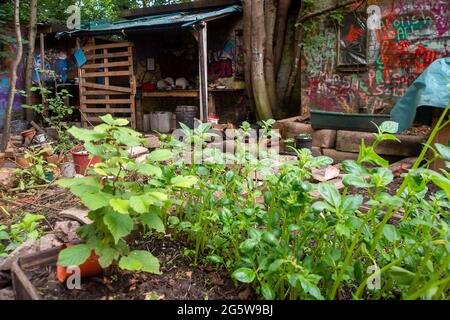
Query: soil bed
[{"x": 179, "y": 280}]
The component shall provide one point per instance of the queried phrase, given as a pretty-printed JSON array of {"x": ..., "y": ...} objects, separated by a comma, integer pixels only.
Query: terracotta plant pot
[
  {"x": 22, "y": 161},
  {"x": 30, "y": 133},
  {"x": 91, "y": 267},
  {"x": 52, "y": 159}
]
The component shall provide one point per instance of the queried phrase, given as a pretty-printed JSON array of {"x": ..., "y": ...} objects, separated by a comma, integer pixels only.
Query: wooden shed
[{"x": 126, "y": 61}]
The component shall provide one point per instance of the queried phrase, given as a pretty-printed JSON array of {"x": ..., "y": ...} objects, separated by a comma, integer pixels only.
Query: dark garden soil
[
  {"x": 179, "y": 280},
  {"x": 48, "y": 202}
]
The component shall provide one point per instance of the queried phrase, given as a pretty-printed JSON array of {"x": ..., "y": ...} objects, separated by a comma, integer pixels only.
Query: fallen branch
[
  {"x": 40, "y": 186},
  {"x": 326, "y": 10},
  {"x": 23, "y": 204}
]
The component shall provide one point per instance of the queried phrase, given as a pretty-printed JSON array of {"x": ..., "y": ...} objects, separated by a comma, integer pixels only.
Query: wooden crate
[{"x": 107, "y": 83}]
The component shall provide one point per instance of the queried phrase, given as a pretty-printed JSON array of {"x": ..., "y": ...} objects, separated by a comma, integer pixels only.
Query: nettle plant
[
  {"x": 123, "y": 196},
  {"x": 348, "y": 246}
]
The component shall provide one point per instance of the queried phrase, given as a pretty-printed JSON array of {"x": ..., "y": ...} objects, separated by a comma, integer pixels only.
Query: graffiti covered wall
[{"x": 411, "y": 34}]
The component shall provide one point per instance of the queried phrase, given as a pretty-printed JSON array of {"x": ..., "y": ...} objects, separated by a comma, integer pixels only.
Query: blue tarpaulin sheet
[
  {"x": 430, "y": 89},
  {"x": 180, "y": 19}
]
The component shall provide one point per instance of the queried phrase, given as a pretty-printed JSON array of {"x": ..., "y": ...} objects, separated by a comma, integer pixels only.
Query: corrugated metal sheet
[{"x": 177, "y": 19}]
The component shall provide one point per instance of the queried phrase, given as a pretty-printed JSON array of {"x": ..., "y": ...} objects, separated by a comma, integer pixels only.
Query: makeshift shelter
[{"x": 107, "y": 78}]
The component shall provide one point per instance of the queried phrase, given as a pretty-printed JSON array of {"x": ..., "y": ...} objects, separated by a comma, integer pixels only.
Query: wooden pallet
[{"x": 107, "y": 82}]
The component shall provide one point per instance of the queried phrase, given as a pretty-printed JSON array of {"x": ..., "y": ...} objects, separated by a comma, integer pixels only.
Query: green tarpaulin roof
[{"x": 180, "y": 19}]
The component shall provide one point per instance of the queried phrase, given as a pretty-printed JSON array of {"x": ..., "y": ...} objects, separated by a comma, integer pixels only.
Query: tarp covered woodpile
[{"x": 430, "y": 89}]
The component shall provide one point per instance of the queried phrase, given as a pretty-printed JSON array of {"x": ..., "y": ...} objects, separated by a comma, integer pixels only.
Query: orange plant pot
[
  {"x": 30, "y": 133},
  {"x": 91, "y": 267},
  {"x": 22, "y": 161}
]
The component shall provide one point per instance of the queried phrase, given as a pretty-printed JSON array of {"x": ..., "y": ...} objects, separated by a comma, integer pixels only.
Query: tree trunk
[
  {"x": 280, "y": 32},
  {"x": 269, "y": 71},
  {"x": 30, "y": 59},
  {"x": 296, "y": 62},
  {"x": 247, "y": 8},
  {"x": 12, "y": 80},
  {"x": 261, "y": 97}
]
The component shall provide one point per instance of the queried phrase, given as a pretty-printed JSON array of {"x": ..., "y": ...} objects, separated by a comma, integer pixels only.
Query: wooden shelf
[
  {"x": 170, "y": 93},
  {"x": 182, "y": 93}
]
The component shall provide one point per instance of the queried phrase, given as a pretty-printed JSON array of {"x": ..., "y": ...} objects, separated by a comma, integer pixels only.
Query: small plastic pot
[
  {"x": 81, "y": 159},
  {"x": 49, "y": 176},
  {"x": 303, "y": 142},
  {"x": 91, "y": 267}
]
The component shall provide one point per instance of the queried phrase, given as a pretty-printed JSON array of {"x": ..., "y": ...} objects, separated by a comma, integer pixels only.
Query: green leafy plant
[
  {"x": 11, "y": 237},
  {"x": 53, "y": 113},
  {"x": 39, "y": 171},
  {"x": 323, "y": 249},
  {"x": 123, "y": 196}
]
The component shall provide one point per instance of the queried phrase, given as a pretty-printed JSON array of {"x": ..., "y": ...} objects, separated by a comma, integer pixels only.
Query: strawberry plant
[{"x": 123, "y": 196}]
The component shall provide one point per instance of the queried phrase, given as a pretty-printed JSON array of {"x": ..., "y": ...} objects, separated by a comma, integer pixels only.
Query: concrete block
[
  {"x": 350, "y": 141},
  {"x": 316, "y": 151},
  {"x": 324, "y": 138},
  {"x": 339, "y": 156},
  {"x": 292, "y": 129}
]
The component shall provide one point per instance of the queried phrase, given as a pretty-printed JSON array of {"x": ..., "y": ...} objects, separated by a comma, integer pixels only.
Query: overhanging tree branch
[{"x": 326, "y": 10}]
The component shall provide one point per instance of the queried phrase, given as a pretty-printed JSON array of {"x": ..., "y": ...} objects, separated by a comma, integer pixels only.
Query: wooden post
[
  {"x": 42, "y": 54},
  {"x": 203, "y": 70}
]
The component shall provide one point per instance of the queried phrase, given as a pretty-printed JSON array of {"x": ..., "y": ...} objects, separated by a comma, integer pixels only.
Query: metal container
[
  {"x": 40, "y": 138},
  {"x": 186, "y": 115}
]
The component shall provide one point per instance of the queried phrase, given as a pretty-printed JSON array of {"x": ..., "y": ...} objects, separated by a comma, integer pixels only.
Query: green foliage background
[{"x": 52, "y": 11}]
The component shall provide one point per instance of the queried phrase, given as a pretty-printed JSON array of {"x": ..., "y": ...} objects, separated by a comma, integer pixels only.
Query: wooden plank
[
  {"x": 203, "y": 71},
  {"x": 107, "y": 74},
  {"x": 105, "y": 60},
  {"x": 106, "y": 65},
  {"x": 97, "y": 119},
  {"x": 107, "y": 101},
  {"x": 107, "y": 55},
  {"x": 104, "y": 87},
  {"x": 103, "y": 92},
  {"x": 106, "y": 110},
  {"x": 108, "y": 46}
]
